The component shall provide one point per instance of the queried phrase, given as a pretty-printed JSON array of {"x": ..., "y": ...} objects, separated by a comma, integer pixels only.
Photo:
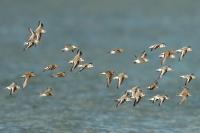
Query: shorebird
[
  {"x": 121, "y": 77},
  {"x": 124, "y": 98},
  {"x": 58, "y": 75},
  {"x": 13, "y": 88},
  {"x": 116, "y": 51},
  {"x": 166, "y": 55},
  {"x": 50, "y": 67},
  {"x": 133, "y": 89},
  {"x": 188, "y": 78},
  {"x": 69, "y": 47},
  {"x": 32, "y": 40},
  {"x": 136, "y": 94},
  {"x": 153, "y": 85},
  {"x": 154, "y": 98},
  {"x": 71, "y": 61},
  {"x": 40, "y": 30},
  {"x": 184, "y": 51},
  {"x": 141, "y": 59},
  {"x": 84, "y": 66},
  {"x": 47, "y": 92},
  {"x": 27, "y": 76},
  {"x": 160, "y": 98},
  {"x": 184, "y": 94},
  {"x": 76, "y": 60},
  {"x": 163, "y": 70},
  {"x": 109, "y": 74},
  {"x": 156, "y": 46}
]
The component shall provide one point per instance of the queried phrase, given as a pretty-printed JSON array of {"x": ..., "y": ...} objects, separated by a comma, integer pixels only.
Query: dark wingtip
[
  {"x": 81, "y": 53},
  {"x": 42, "y": 24},
  {"x": 134, "y": 103}
]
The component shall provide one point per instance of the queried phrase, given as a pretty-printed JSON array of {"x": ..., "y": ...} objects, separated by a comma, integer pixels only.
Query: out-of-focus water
[{"x": 82, "y": 103}]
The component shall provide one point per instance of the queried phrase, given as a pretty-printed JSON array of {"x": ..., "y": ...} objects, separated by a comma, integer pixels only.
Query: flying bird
[
  {"x": 32, "y": 40},
  {"x": 184, "y": 94},
  {"x": 109, "y": 75},
  {"x": 154, "y": 98},
  {"x": 27, "y": 76},
  {"x": 13, "y": 87},
  {"x": 35, "y": 36},
  {"x": 50, "y": 67},
  {"x": 156, "y": 46},
  {"x": 141, "y": 59},
  {"x": 85, "y": 66},
  {"x": 69, "y": 47},
  {"x": 124, "y": 98},
  {"x": 160, "y": 98},
  {"x": 169, "y": 54},
  {"x": 188, "y": 78},
  {"x": 163, "y": 70},
  {"x": 40, "y": 30},
  {"x": 116, "y": 51},
  {"x": 136, "y": 94},
  {"x": 71, "y": 61},
  {"x": 76, "y": 60},
  {"x": 120, "y": 78},
  {"x": 58, "y": 75},
  {"x": 47, "y": 92},
  {"x": 183, "y": 51},
  {"x": 153, "y": 85}
]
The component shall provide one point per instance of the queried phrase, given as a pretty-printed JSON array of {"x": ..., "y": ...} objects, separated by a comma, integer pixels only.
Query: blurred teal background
[{"x": 82, "y": 103}]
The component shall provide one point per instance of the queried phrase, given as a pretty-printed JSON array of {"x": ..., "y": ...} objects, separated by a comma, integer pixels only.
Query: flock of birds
[{"x": 135, "y": 94}]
